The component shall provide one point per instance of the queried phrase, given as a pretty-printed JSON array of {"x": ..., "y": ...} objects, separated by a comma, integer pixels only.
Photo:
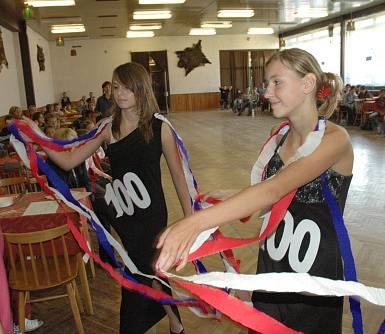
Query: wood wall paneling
[{"x": 194, "y": 102}]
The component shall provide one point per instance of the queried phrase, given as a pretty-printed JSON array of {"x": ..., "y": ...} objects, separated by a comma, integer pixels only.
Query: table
[{"x": 13, "y": 221}]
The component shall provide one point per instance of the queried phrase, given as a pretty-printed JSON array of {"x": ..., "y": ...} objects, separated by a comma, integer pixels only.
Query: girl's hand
[{"x": 175, "y": 243}]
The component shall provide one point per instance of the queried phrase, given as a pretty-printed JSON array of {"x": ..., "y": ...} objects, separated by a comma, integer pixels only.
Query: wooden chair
[
  {"x": 14, "y": 185},
  {"x": 33, "y": 185},
  {"x": 40, "y": 260}
]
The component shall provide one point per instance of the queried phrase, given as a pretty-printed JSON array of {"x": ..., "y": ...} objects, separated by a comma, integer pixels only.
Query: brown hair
[
  {"x": 135, "y": 77},
  {"x": 303, "y": 63},
  {"x": 13, "y": 109}
]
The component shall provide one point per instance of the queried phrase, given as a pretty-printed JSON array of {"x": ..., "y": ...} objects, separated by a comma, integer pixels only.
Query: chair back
[
  {"x": 14, "y": 185},
  {"x": 40, "y": 260}
]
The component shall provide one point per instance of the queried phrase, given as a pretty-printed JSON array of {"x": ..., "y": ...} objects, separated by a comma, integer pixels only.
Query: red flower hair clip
[{"x": 323, "y": 93}]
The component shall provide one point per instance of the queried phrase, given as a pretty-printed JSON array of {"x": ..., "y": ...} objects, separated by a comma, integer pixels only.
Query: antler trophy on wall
[
  {"x": 192, "y": 57},
  {"x": 3, "y": 58},
  {"x": 40, "y": 58}
]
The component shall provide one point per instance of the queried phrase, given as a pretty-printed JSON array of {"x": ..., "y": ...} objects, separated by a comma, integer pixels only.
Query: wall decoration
[
  {"x": 192, "y": 57},
  {"x": 73, "y": 52},
  {"x": 40, "y": 58},
  {"x": 3, "y": 58}
]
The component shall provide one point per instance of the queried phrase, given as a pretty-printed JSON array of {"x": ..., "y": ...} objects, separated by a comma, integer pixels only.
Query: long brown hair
[
  {"x": 136, "y": 78},
  {"x": 303, "y": 63}
]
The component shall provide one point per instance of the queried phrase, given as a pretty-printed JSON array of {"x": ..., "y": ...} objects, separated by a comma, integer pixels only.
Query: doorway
[{"x": 155, "y": 62}]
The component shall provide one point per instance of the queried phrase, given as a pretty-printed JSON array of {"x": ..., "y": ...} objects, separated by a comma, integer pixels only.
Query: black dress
[
  {"x": 305, "y": 241},
  {"x": 135, "y": 168}
]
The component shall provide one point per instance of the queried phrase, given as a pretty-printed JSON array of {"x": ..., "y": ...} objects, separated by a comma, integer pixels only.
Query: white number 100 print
[{"x": 123, "y": 195}]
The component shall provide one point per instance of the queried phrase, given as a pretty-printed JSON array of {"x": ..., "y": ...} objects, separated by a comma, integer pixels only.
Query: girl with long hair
[
  {"x": 135, "y": 143},
  {"x": 305, "y": 240}
]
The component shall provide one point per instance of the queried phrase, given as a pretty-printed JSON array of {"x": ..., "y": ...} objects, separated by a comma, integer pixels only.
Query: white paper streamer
[{"x": 288, "y": 282}]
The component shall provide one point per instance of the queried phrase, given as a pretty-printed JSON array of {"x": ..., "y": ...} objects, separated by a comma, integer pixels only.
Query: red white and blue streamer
[{"x": 220, "y": 300}]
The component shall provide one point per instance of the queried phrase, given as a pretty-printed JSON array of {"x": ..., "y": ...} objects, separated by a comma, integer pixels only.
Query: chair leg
[
  {"x": 21, "y": 310},
  {"x": 74, "y": 308},
  {"x": 78, "y": 298},
  {"x": 84, "y": 286},
  {"x": 92, "y": 266}
]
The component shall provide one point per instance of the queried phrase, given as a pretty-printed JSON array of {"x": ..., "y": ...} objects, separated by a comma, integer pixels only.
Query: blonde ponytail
[{"x": 333, "y": 84}]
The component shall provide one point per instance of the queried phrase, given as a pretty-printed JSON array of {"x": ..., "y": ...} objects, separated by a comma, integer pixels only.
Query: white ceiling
[{"x": 111, "y": 18}]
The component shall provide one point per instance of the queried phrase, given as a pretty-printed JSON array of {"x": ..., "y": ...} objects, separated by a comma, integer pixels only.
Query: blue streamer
[
  {"x": 346, "y": 252},
  {"x": 63, "y": 188}
]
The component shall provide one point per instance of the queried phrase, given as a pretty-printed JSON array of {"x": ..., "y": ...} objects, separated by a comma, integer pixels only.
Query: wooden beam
[{"x": 26, "y": 62}]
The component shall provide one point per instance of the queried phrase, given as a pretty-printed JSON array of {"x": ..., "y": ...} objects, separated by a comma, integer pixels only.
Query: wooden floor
[{"x": 223, "y": 148}]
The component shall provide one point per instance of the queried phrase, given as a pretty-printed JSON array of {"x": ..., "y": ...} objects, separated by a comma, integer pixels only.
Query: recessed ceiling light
[
  {"x": 67, "y": 28},
  {"x": 235, "y": 13},
  {"x": 50, "y": 3},
  {"x": 202, "y": 31},
  {"x": 260, "y": 31},
  {"x": 139, "y": 34},
  {"x": 216, "y": 24},
  {"x": 160, "y": 2},
  {"x": 146, "y": 26},
  {"x": 152, "y": 14}
]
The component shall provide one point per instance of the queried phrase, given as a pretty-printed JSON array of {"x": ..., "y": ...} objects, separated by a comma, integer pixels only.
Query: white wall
[
  {"x": 12, "y": 91},
  {"x": 97, "y": 58},
  {"x": 43, "y": 83}
]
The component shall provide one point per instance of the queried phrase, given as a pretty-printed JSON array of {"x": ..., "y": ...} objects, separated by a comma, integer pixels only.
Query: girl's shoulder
[{"x": 336, "y": 131}]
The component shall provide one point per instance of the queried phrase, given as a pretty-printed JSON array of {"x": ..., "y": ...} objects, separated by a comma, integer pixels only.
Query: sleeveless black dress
[
  {"x": 135, "y": 168},
  {"x": 305, "y": 241}
]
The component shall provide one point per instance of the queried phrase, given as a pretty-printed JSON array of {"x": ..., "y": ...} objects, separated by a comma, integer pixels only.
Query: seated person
[
  {"x": 38, "y": 118},
  {"x": 49, "y": 108},
  {"x": 76, "y": 177},
  {"x": 376, "y": 118},
  {"x": 87, "y": 117},
  {"x": 49, "y": 131},
  {"x": 51, "y": 119},
  {"x": 4, "y": 133},
  {"x": 32, "y": 109},
  {"x": 16, "y": 112},
  {"x": 82, "y": 106},
  {"x": 363, "y": 93}
]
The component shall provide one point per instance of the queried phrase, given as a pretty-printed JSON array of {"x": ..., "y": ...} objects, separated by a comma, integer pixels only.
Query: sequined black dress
[{"x": 305, "y": 241}]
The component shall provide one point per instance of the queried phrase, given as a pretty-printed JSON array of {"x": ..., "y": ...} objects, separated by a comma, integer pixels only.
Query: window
[
  {"x": 324, "y": 48},
  {"x": 365, "y": 52}
]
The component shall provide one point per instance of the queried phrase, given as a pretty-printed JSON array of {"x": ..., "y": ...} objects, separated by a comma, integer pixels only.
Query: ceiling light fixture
[
  {"x": 235, "y": 13},
  {"x": 216, "y": 24},
  {"x": 146, "y": 26},
  {"x": 152, "y": 15},
  {"x": 67, "y": 28},
  {"x": 49, "y": 3},
  {"x": 202, "y": 31},
  {"x": 160, "y": 2},
  {"x": 260, "y": 31},
  {"x": 139, "y": 34}
]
